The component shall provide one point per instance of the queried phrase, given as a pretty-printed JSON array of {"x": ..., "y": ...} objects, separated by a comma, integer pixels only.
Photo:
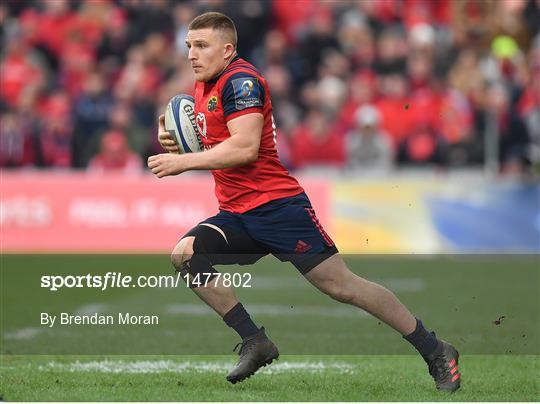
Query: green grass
[
  {"x": 362, "y": 378},
  {"x": 358, "y": 359}
]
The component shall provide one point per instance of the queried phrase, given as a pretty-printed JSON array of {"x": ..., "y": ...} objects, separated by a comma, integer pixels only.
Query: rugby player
[{"x": 262, "y": 209}]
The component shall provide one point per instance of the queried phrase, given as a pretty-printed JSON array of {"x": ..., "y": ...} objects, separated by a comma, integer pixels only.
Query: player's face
[{"x": 208, "y": 53}]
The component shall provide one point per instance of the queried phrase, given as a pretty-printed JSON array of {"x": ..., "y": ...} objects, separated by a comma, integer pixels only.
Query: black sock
[
  {"x": 424, "y": 341},
  {"x": 239, "y": 319}
]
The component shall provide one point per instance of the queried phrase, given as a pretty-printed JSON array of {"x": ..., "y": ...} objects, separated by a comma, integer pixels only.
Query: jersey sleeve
[{"x": 242, "y": 93}]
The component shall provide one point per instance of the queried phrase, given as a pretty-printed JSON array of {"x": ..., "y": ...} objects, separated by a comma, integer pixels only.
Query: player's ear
[{"x": 228, "y": 50}]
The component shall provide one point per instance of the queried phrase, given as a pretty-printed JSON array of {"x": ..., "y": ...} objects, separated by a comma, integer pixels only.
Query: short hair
[{"x": 217, "y": 21}]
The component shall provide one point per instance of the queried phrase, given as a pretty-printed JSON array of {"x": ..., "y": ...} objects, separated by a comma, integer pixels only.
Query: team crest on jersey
[
  {"x": 201, "y": 124},
  {"x": 212, "y": 103},
  {"x": 247, "y": 93}
]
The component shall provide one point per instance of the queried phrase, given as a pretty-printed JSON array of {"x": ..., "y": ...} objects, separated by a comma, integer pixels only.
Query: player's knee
[
  {"x": 345, "y": 295},
  {"x": 341, "y": 292},
  {"x": 198, "y": 252},
  {"x": 182, "y": 252},
  {"x": 207, "y": 244},
  {"x": 194, "y": 256}
]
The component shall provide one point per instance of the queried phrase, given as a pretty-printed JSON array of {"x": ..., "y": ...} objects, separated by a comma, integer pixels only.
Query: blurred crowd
[{"x": 355, "y": 84}]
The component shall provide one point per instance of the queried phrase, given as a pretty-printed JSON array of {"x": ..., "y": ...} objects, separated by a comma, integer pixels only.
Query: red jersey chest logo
[
  {"x": 212, "y": 103},
  {"x": 201, "y": 124}
]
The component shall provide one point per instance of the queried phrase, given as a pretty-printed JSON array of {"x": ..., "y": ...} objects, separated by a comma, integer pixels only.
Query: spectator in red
[
  {"x": 361, "y": 91},
  {"x": 394, "y": 106},
  {"x": 423, "y": 146},
  {"x": 56, "y": 131},
  {"x": 138, "y": 85},
  {"x": 427, "y": 11},
  {"x": 77, "y": 61},
  {"x": 292, "y": 17},
  {"x": 50, "y": 29},
  {"x": 115, "y": 156},
  {"x": 423, "y": 108},
  {"x": 21, "y": 72},
  {"x": 137, "y": 79},
  {"x": 93, "y": 19},
  {"x": 315, "y": 143}
]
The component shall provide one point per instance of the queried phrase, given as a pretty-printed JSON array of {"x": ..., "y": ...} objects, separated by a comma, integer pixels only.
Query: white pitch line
[
  {"x": 32, "y": 332},
  {"x": 159, "y": 366},
  {"x": 91, "y": 308},
  {"x": 23, "y": 333}
]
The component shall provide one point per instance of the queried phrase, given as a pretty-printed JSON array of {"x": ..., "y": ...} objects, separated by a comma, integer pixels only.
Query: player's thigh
[{"x": 334, "y": 278}]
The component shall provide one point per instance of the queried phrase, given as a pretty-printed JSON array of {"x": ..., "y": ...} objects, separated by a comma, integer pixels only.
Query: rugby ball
[{"x": 180, "y": 122}]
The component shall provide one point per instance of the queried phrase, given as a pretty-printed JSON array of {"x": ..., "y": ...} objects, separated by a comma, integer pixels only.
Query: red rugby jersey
[{"x": 241, "y": 90}]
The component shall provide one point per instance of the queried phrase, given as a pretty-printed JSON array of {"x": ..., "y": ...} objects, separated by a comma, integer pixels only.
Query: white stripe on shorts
[{"x": 213, "y": 226}]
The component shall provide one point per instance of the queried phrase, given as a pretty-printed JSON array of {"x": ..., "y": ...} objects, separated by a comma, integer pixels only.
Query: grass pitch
[
  {"x": 292, "y": 378},
  {"x": 487, "y": 306}
]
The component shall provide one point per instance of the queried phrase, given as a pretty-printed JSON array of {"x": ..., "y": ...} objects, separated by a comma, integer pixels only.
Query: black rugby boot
[
  {"x": 255, "y": 352},
  {"x": 443, "y": 367}
]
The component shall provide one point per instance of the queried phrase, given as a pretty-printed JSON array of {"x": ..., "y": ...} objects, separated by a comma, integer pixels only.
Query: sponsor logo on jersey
[
  {"x": 201, "y": 124},
  {"x": 247, "y": 93},
  {"x": 212, "y": 103}
]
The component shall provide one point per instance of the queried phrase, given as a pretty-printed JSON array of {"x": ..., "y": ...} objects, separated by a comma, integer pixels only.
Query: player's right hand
[{"x": 164, "y": 137}]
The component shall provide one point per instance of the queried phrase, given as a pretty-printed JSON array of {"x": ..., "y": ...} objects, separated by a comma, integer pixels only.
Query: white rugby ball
[{"x": 181, "y": 124}]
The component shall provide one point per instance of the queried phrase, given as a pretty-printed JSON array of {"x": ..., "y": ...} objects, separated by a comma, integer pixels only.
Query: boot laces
[{"x": 245, "y": 346}]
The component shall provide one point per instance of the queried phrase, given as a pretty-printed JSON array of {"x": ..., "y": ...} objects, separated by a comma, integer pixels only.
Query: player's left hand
[
  {"x": 164, "y": 164},
  {"x": 164, "y": 137}
]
